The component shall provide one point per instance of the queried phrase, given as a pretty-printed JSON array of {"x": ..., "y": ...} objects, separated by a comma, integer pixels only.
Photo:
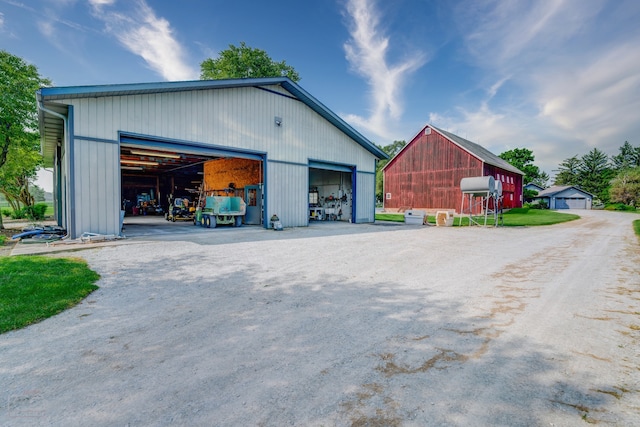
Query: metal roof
[
  {"x": 478, "y": 151},
  {"x": 51, "y": 126},
  {"x": 557, "y": 189}
]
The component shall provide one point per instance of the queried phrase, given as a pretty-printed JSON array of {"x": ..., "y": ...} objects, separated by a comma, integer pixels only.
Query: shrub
[
  {"x": 6, "y": 212},
  {"x": 619, "y": 207},
  {"x": 18, "y": 214},
  {"x": 35, "y": 212}
]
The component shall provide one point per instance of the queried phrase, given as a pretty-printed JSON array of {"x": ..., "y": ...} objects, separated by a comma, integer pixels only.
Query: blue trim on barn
[
  {"x": 190, "y": 146},
  {"x": 92, "y": 139},
  {"x": 284, "y": 162},
  {"x": 71, "y": 220},
  {"x": 338, "y": 167}
]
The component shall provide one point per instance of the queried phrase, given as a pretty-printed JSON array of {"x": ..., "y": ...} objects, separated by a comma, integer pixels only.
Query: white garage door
[{"x": 571, "y": 203}]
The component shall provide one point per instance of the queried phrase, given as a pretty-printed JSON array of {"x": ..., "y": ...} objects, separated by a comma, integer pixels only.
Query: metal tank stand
[{"x": 480, "y": 194}]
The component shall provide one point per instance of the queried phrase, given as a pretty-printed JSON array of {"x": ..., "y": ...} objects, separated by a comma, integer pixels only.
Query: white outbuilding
[{"x": 135, "y": 147}]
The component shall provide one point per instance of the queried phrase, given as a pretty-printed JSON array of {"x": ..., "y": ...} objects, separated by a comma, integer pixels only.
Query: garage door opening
[
  {"x": 571, "y": 203},
  {"x": 331, "y": 194},
  {"x": 173, "y": 182}
]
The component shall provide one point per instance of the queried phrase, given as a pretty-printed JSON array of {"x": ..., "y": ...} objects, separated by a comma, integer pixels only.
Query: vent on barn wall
[
  {"x": 427, "y": 131},
  {"x": 388, "y": 196}
]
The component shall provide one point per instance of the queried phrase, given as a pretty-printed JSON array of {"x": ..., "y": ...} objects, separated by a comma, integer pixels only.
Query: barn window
[{"x": 388, "y": 196}]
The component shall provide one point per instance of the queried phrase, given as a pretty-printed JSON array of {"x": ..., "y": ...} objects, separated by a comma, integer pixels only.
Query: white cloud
[
  {"x": 46, "y": 28},
  {"x": 366, "y": 52},
  {"x": 1, "y": 21},
  {"x": 574, "y": 67},
  {"x": 146, "y": 35}
]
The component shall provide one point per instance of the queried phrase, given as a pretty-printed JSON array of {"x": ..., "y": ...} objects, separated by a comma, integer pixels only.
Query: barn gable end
[{"x": 426, "y": 173}]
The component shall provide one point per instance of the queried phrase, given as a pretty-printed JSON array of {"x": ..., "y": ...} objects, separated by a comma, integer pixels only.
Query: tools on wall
[{"x": 334, "y": 206}]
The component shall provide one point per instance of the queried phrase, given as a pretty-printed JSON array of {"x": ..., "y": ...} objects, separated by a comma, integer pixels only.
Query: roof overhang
[{"x": 51, "y": 126}]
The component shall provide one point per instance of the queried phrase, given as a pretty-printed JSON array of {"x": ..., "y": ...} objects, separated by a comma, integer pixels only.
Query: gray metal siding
[
  {"x": 236, "y": 118},
  {"x": 240, "y": 117},
  {"x": 365, "y": 197},
  {"x": 288, "y": 193},
  {"x": 97, "y": 187}
]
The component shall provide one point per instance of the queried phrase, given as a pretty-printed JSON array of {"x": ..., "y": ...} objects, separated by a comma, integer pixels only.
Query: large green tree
[
  {"x": 18, "y": 111},
  {"x": 391, "y": 149},
  {"x": 628, "y": 157},
  {"x": 625, "y": 187},
  {"x": 18, "y": 173},
  {"x": 595, "y": 174},
  {"x": 523, "y": 159},
  {"x": 568, "y": 172},
  {"x": 242, "y": 61}
]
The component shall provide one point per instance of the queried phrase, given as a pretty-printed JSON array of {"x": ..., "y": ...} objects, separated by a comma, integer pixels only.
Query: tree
[
  {"x": 629, "y": 157},
  {"x": 242, "y": 61},
  {"x": 17, "y": 175},
  {"x": 19, "y": 82},
  {"x": 523, "y": 158},
  {"x": 391, "y": 149},
  {"x": 568, "y": 172},
  {"x": 542, "y": 180},
  {"x": 594, "y": 174},
  {"x": 625, "y": 187},
  {"x": 38, "y": 193}
]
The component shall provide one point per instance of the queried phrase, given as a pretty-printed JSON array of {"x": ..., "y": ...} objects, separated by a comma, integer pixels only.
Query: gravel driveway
[{"x": 344, "y": 325}]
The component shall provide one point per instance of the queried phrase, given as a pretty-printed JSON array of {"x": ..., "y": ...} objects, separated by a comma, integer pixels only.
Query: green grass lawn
[
  {"x": 49, "y": 211},
  {"x": 33, "y": 288},
  {"x": 532, "y": 217},
  {"x": 513, "y": 218},
  {"x": 636, "y": 227}
]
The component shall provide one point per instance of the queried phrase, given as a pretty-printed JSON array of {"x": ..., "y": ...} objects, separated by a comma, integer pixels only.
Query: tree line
[{"x": 614, "y": 179}]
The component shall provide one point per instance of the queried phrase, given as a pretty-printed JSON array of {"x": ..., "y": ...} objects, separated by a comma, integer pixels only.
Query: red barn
[{"x": 426, "y": 173}]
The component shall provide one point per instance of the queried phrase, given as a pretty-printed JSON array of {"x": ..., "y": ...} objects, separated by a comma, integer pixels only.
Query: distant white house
[{"x": 562, "y": 197}]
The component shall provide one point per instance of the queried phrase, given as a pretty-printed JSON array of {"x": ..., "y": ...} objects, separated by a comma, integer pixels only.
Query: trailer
[{"x": 223, "y": 210}]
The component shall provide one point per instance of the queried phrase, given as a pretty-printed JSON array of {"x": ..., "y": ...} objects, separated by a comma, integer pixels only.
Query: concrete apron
[{"x": 145, "y": 229}]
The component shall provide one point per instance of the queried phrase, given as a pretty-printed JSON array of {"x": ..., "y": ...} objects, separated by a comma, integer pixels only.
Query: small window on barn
[
  {"x": 511, "y": 179},
  {"x": 388, "y": 196},
  {"x": 497, "y": 177}
]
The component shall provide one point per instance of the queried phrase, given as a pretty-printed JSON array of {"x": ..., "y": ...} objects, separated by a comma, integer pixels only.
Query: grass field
[
  {"x": 33, "y": 288},
  {"x": 513, "y": 218}
]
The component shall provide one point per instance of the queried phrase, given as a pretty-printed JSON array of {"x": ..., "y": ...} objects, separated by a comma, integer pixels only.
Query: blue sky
[{"x": 559, "y": 77}]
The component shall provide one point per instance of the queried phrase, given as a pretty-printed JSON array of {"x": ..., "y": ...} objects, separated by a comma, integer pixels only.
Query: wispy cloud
[
  {"x": 147, "y": 35},
  {"x": 574, "y": 69},
  {"x": 366, "y": 52}
]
